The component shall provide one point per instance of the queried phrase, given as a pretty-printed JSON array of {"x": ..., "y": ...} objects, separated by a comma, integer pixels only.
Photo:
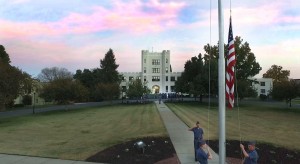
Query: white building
[
  {"x": 264, "y": 86},
  {"x": 156, "y": 71}
]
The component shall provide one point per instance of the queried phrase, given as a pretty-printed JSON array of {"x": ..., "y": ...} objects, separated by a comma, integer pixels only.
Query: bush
[
  {"x": 18, "y": 105},
  {"x": 27, "y": 100},
  {"x": 263, "y": 97}
]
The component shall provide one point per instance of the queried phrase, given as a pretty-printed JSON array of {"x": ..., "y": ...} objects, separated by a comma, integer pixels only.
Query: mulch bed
[
  {"x": 268, "y": 154},
  {"x": 160, "y": 150}
]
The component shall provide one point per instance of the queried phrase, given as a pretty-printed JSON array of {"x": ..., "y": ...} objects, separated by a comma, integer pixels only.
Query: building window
[
  {"x": 123, "y": 88},
  {"x": 167, "y": 78},
  {"x": 155, "y": 62},
  {"x": 155, "y": 78},
  {"x": 123, "y": 78},
  {"x": 130, "y": 78},
  {"x": 172, "y": 78},
  {"x": 144, "y": 69},
  {"x": 166, "y": 88},
  {"x": 144, "y": 60},
  {"x": 172, "y": 88},
  {"x": 166, "y": 60},
  {"x": 262, "y": 83},
  {"x": 145, "y": 78},
  {"x": 167, "y": 70},
  {"x": 263, "y": 91},
  {"x": 138, "y": 77},
  {"x": 155, "y": 70}
]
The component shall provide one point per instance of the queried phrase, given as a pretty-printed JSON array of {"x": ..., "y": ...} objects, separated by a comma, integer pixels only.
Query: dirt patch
[
  {"x": 268, "y": 154},
  {"x": 157, "y": 150},
  {"x": 160, "y": 150}
]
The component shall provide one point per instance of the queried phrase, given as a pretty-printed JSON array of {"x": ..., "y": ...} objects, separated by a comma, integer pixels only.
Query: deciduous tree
[{"x": 277, "y": 74}]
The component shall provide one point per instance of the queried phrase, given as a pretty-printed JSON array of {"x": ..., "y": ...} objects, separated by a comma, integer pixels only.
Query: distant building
[
  {"x": 263, "y": 85},
  {"x": 156, "y": 71}
]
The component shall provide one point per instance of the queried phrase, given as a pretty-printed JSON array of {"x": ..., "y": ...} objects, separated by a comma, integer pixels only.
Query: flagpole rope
[
  {"x": 209, "y": 58},
  {"x": 237, "y": 96}
]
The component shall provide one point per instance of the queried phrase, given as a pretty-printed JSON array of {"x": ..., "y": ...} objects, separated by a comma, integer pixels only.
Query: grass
[
  {"x": 273, "y": 125},
  {"x": 78, "y": 134}
]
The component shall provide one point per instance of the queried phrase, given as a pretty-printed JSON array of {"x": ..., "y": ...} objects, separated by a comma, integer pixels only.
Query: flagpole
[{"x": 221, "y": 72}]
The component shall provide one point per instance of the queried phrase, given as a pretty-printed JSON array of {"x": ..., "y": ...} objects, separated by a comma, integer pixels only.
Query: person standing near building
[
  {"x": 251, "y": 156},
  {"x": 203, "y": 153},
  {"x": 198, "y": 136}
]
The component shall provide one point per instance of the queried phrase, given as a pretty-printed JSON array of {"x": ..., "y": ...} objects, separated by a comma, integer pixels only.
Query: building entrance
[{"x": 155, "y": 89}]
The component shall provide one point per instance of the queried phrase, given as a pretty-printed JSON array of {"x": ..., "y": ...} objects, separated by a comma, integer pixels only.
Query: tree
[
  {"x": 277, "y": 74},
  {"x": 13, "y": 81},
  {"x": 4, "y": 57},
  {"x": 10, "y": 81},
  {"x": 107, "y": 91},
  {"x": 285, "y": 90},
  {"x": 200, "y": 74},
  {"x": 246, "y": 65},
  {"x": 54, "y": 73},
  {"x": 109, "y": 67},
  {"x": 136, "y": 89},
  {"x": 95, "y": 79},
  {"x": 191, "y": 80},
  {"x": 63, "y": 91}
]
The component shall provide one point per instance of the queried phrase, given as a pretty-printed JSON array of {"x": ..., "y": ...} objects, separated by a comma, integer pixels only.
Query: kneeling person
[{"x": 202, "y": 156}]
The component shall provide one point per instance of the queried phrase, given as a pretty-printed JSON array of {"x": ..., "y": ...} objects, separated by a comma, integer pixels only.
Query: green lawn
[
  {"x": 265, "y": 124},
  {"x": 78, "y": 134}
]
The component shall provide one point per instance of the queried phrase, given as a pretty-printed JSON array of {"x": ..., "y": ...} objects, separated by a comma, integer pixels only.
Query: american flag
[{"x": 230, "y": 68}]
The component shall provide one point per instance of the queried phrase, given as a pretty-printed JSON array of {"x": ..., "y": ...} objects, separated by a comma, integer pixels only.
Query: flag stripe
[{"x": 231, "y": 61}]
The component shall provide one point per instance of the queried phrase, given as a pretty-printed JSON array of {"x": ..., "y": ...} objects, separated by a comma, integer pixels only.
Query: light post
[{"x": 33, "y": 103}]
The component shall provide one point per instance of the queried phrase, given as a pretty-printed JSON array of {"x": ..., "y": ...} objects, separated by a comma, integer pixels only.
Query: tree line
[
  {"x": 200, "y": 75},
  {"x": 199, "y": 78}
]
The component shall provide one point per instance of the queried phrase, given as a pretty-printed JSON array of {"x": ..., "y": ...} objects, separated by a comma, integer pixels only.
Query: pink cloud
[
  {"x": 128, "y": 17},
  {"x": 285, "y": 54}
]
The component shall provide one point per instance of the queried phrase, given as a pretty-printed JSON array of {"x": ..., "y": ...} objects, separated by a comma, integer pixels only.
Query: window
[
  {"x": 155, "y": 70},
  {"x": 172, "y": 78},
  {"x": 123, "y": 88},
  {"x": 166, "y": 60},
  {"x": 138, "y": 77},
  {"x": 123, "y": 78},
  {"x": 172, "y": 88},
  {"x": 166, "y": 88},
  {"x": 167, "y": 78},
  {"x": 167, "y": 70},
  {"x": 155, "y": 78},
  {"x": 155, "y": 62},
  {"x": 144, "y": 60},
  {"x": 262, "y": 91},
  {"x": 145, "y": 78},
  {"x": 130, "y": 78},
  {"x": 262, "y": 83},
  {"x": 144, "y": 69}
]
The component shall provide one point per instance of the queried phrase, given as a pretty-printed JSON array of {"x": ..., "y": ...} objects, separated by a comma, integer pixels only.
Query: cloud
[
  {"x": 285, "y": 54},
  {"x": 125, "y": 17}
]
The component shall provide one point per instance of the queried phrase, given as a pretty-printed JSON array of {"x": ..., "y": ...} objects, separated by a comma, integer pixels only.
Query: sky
[{"x": 76, "y": 34}]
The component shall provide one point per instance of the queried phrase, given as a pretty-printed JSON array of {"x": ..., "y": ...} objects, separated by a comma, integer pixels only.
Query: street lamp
[{"x": 33, "y": 103}]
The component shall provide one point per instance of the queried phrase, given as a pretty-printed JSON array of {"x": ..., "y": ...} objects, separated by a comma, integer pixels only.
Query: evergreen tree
[{"x": 109, "y": 68}]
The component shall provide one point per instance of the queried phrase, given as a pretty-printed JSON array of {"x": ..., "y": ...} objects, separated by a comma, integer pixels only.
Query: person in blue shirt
[
  {"x": 198, "y": 136},
  {"x": 251, "y": 156},
  {"x": 203, "y": 153}
]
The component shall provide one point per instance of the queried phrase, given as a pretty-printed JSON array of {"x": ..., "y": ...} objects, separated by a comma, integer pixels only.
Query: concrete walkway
[
  {"x": 181, "y": 138},
  {"x": 18, "y": 159}
]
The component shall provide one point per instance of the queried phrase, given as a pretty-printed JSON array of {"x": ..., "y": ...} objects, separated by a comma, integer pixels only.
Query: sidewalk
[
  {"x": 181, "y": 138},
  {"x": 17, "y": 159}
]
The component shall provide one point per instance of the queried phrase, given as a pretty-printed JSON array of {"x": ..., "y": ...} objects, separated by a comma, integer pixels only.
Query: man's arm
[
  {"x": 208, "y": 152},
  {"x": 191, "y": 129},
  {"x": 244, "y": 151}
]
